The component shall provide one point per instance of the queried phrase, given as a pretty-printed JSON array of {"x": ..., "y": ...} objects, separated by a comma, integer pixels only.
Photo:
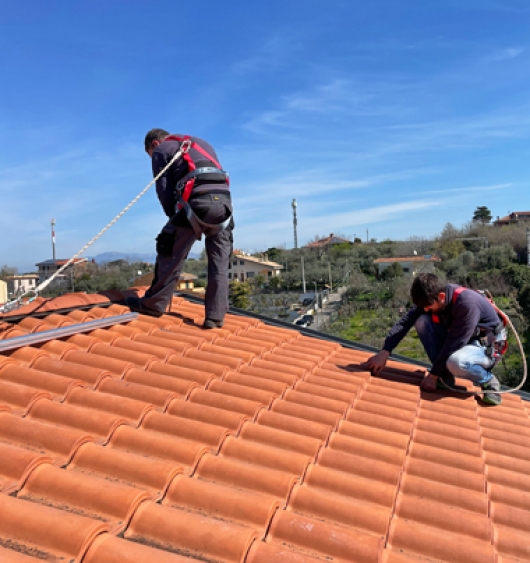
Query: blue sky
[{"x": 390, "y": 116}]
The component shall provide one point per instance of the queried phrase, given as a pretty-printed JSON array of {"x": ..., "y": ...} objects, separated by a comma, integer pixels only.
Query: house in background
[
  {"x": 185, "y": 281},
  {"x": 49, "y": 267},
  {"x": 19, "y": 284},
  {"x": 328, "y": 241},
  {"x": 412, "y": 265},
  {"x": 3, "y": 292},
  {"x": 512, "y": 218},
  {"x": 244, "y": 267}
]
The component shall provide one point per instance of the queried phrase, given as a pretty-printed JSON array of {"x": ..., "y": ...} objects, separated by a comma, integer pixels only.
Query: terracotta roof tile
[{"x": 250, "y": 443}]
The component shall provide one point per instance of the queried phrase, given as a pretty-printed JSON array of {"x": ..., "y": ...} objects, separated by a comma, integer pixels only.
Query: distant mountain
[{"x": 131, "y": 257}]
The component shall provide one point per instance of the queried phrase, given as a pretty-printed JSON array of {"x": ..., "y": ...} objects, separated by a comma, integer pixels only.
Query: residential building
[
  {"x": 328, "y": 241},
  {"x": 244, "y": 267},
  {"x": 515, "y": 217},
  {"x": 412, "y": 265},
  {"x": 49, "y": 267},
  {"x": 185, "y": 281},
  {"x": 20, "y": 283},
  {"x": 3, "y": 292}
]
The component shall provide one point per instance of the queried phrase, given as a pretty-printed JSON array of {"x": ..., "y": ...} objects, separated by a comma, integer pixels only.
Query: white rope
[{"x": 11, "y": 305}]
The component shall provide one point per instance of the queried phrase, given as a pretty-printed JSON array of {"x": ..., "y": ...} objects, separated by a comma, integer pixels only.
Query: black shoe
[
  {"x": 210, "y": 323},
  {"x": 135, "y": 304},
  {"x": 490, "y": 396}
]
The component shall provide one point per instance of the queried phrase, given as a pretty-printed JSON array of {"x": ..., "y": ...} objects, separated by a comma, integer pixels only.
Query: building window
[
  {"x": 229, "y": 275},
  {"x": 269, "y": 273},
  {"x": 241, "y": 263},
  {"x": 250, "y": 274},
  {"x": 234, "y": 262}
]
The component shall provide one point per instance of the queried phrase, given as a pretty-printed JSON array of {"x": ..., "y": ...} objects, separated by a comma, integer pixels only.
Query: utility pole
[
  {"x": 53, "y": 239},
  {"x": 295, "y": 223},
  {"x": 303, "y": 273},
  {"x": 316, "y": 306},
  {"x": 528, "y": 246}
]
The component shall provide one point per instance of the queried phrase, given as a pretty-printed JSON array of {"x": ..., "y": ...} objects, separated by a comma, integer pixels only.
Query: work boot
[
  {"x": 211, "y": 323},
  {"x": 490, "y": 396},
  {"x": 135, "y": 304}
]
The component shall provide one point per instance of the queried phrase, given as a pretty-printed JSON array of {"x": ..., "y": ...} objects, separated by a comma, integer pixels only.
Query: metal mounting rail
[
  {"x": 36, "y": 314},
  {"x": 63, "y": 332}
]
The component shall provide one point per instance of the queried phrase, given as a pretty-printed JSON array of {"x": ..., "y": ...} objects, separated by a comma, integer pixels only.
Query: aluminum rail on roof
[
  {"x": 36, "y": 314},
  {"x": 63, "y": 332},
  {"x": 353, "y": 345}
]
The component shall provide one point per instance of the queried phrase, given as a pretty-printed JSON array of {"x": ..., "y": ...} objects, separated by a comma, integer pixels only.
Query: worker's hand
[
  {"x": 429, "y": 382},
  {"x": 376, "y": 363}
]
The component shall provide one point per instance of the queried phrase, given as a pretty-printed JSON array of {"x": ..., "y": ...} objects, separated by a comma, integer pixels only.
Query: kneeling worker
[
  {"x": 195, "y": 195},
  {"x": 453, "y": 324}
]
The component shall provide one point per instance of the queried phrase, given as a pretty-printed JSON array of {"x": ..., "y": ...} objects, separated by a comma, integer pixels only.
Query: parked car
[
  {"x": 309, "y": 318},
  {"x": 302, "y": 322}
]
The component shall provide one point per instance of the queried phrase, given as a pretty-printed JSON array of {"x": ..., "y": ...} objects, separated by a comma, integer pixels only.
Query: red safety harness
[
  {"x": 185, "y": 186},
  {"x": 187, "y": 143}
]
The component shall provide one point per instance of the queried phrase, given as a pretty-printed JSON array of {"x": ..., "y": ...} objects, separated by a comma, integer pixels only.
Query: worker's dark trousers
[{"x": 213, "y": 209}]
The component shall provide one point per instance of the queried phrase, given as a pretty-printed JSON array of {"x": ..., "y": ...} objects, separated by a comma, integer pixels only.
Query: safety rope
[{"x": 16, "y": 303}]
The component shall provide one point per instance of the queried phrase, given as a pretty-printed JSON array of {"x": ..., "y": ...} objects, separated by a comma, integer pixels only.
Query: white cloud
[{"x": 505, "y": 54}]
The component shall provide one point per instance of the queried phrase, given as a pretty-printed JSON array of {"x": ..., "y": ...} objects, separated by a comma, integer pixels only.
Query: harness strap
[
  {"x": 197, "y": 172},
  {"x": 200, "y": 226},
  {"x": 188, "y": 186}
]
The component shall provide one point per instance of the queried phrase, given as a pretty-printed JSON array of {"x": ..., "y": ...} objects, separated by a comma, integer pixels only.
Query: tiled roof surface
[
  {"x": 332, "y": 239},
  {"x": 156, "y": 441}
]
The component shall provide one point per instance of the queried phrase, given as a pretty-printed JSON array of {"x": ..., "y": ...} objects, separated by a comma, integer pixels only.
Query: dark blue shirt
[{"x": 461, "y": 318}]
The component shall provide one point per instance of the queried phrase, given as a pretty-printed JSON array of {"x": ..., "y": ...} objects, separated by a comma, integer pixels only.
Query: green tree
[
  {"x": 395, "y": 270},
  {"x": 8, "y": 270},
  {"x": 275, "y": 254},
  {"x": 240, "y": 294},
  {"x": 495, "y": 257},
  {"x": 275, "y": 282},
  {"x": 482, "y": 215}
]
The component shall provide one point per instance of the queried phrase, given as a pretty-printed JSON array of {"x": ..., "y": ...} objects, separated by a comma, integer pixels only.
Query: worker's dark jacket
[
  {"x": 165, "y": 186},
  {"x": 461, "y": 319}
]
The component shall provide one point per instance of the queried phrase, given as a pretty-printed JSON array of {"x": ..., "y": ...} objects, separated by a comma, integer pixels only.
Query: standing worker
[
  {"x": 194, "y": 193},
  {"x": 459, "y": 329}
]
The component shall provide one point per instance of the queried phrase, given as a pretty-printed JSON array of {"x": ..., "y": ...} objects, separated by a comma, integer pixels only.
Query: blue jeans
[{"x": 470, "y": 362}]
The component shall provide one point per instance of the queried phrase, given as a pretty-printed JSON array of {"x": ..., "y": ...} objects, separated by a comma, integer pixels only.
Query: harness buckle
[{"x": 185, "y": 146}]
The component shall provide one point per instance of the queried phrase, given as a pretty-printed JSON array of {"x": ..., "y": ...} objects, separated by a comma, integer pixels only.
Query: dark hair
[
  {"x": 425, "y": 289},
  {"x": 154, "y": 135}
]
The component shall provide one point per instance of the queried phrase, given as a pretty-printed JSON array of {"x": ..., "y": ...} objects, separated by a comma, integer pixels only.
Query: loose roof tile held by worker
[{"x": 153, "y": 440}]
